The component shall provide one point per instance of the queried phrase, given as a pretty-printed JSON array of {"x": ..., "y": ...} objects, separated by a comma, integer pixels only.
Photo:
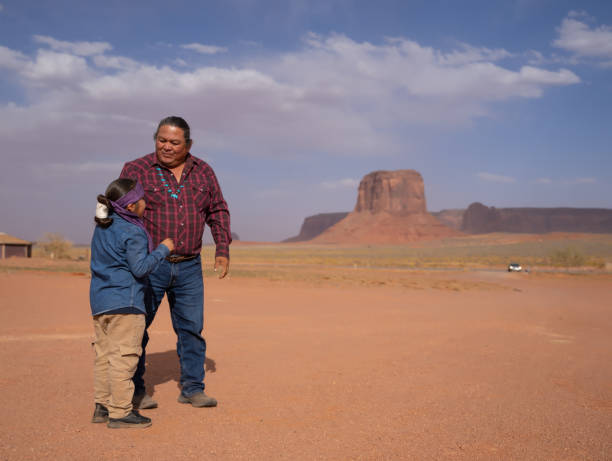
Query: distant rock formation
[
  {"x": 235, "y": 236},
  {"x": 481, "y": 219},
  {"x": 396, "y": 192},
  {"x": 390, "y": 208},
  {"x": 452, "y": 218},
  {"x": 382, "y": 216},
  {"x": 314, "y": 225}
]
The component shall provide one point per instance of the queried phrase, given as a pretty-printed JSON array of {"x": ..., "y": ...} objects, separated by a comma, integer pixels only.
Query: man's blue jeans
[{"x": 183, "y": 284}]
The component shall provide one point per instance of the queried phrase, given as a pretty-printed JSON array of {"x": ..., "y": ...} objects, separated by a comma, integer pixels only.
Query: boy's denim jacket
[{"x": 120, "y": 263}]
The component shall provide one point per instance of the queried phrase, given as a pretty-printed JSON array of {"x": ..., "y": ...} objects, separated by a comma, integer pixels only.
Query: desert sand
[{"x": 459, "y": 365}]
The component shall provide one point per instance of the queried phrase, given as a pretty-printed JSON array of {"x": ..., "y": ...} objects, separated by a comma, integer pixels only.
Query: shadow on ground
[{"x": 164, "y": 366}]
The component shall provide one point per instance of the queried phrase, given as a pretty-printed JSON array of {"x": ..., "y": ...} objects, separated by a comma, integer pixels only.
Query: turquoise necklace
[{"x": 166, "y": 184}]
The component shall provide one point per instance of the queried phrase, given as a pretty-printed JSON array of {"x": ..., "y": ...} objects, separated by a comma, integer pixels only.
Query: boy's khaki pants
[{"x": 118, "y": 346}]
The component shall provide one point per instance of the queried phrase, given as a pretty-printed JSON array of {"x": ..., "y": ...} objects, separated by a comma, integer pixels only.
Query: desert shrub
[
  {"x": 598, "y": 263},
  {"x": 568, "y": 257},
  {"x": 55, "y": 246}
]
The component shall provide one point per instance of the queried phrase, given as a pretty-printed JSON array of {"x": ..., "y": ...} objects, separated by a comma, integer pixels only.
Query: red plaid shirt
[{"x": 180, "y": 211}]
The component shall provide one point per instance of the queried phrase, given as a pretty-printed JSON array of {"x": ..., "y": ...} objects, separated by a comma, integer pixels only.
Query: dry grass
[
  {"x": 486, "y": 251},
  {"x": 416, "y": 266}
]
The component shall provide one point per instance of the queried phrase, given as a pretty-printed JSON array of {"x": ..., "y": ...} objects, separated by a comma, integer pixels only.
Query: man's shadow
[{"x": 164, "y": 366}]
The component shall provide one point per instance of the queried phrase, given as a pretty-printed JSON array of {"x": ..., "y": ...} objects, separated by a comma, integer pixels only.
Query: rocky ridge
[
  {"x": 315, "y": 225},
  {"x": 481, "y": 219}
]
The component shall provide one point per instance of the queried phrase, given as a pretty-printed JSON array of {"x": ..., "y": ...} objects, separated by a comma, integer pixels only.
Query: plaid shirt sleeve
[{"x": 218, "y": 217}]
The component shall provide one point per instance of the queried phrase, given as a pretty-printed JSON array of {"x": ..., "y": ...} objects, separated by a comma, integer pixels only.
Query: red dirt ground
[{"x": 518, "y": 372}]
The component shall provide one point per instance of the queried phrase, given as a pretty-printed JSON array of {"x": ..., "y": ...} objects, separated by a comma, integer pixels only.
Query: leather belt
[{"x": 179, "y": 258}]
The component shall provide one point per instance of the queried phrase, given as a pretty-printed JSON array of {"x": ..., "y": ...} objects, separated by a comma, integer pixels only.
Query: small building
[{"x": 12, "y": 246}]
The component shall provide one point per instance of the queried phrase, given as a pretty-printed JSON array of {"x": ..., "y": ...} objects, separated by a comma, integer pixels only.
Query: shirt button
[{"x": 182, "y": 224}]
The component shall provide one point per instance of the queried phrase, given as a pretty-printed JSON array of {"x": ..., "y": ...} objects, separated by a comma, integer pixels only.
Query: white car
[{"x": 514, "y": 267}]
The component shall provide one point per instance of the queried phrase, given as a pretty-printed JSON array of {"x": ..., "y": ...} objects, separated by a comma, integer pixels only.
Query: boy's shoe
[
  {"x": 198, "y": 400},
  {"x": 134, "y": 419},
  {"x": 100, "y": 414},
  {"x": 143, "y": 402}
]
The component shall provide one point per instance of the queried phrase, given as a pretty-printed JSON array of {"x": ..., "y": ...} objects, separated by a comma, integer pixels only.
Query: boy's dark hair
[
  {"x": 178, "y": 122},
  {"x": 115, "y": 190}
]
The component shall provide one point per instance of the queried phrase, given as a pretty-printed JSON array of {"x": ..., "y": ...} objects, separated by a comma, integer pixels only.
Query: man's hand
[{"x": 221, "y": 266}]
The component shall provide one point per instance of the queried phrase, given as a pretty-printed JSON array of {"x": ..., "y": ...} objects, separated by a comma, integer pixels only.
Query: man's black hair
[{"x": 178, "y": 122}]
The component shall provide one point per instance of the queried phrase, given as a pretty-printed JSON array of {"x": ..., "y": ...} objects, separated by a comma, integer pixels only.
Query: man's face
[{"x": 170, "y": 146}]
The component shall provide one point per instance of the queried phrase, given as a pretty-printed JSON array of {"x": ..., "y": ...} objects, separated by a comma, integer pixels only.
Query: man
[{"x": 182, "y": 195}]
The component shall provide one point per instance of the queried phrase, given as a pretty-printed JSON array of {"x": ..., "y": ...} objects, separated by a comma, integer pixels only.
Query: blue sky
[{"x": 292, "y": 102}]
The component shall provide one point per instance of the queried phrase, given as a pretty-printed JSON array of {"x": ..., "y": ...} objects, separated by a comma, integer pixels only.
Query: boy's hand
[
  {"x": 221, "y": 266},
  {"x": 169, "y": 243}
]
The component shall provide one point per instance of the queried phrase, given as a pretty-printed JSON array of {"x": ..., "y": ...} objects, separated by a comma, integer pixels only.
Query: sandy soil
[{"x": 517, "y": 367}]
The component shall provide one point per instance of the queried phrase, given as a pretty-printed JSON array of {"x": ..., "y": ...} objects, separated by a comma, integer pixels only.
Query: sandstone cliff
[
  {"x": 396, "y": 192},
  {"x": 480, "y": 219},
  {"x": 391, "y": 208},
  {"x": 316, "y": 224}
]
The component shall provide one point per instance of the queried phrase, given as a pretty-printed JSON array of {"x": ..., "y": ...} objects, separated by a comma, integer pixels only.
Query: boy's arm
[{"x": 139, "y": 261}]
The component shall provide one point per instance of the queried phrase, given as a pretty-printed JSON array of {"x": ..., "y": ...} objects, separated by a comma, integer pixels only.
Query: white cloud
[
  {"x": 468, "y": 54},
  {"x": 10, "y": 59},
  {"x": 567, "y": 182},
  {"x": 349, "y": 183},
  {"x": 50, "y": 67},
  {"x": 537, "y": 76},
  {"x": 250, "y": 43},
  {"x": 333, "y": 96},
  {"x": 78, "y": 48},
  {"x": 583, "y": 181},
  {"x": 535, "y": 58},
  {"x": 491, "y": 177},
  {"x": 115, "y": 62},
  {"x": 404, "y": 81},
  {"x": 579, "y": 14},
  {"x": 579, "y": 38},
  {"x": 204, "y": 49}
]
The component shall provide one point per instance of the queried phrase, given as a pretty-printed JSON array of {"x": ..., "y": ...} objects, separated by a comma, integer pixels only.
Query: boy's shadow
[{"x": 164, "y": 366}]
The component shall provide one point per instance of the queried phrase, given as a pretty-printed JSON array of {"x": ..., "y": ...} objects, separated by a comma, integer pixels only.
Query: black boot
[
  {"x": 134, "y": 419},
  {"x": 100, "y": 414}
]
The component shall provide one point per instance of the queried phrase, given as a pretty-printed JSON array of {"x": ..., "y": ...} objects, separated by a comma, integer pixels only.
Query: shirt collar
[{"x": 189, "y": 161}]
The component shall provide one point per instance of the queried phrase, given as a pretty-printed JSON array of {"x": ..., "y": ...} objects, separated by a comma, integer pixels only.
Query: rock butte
[{"x": 390, "y": 208}]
